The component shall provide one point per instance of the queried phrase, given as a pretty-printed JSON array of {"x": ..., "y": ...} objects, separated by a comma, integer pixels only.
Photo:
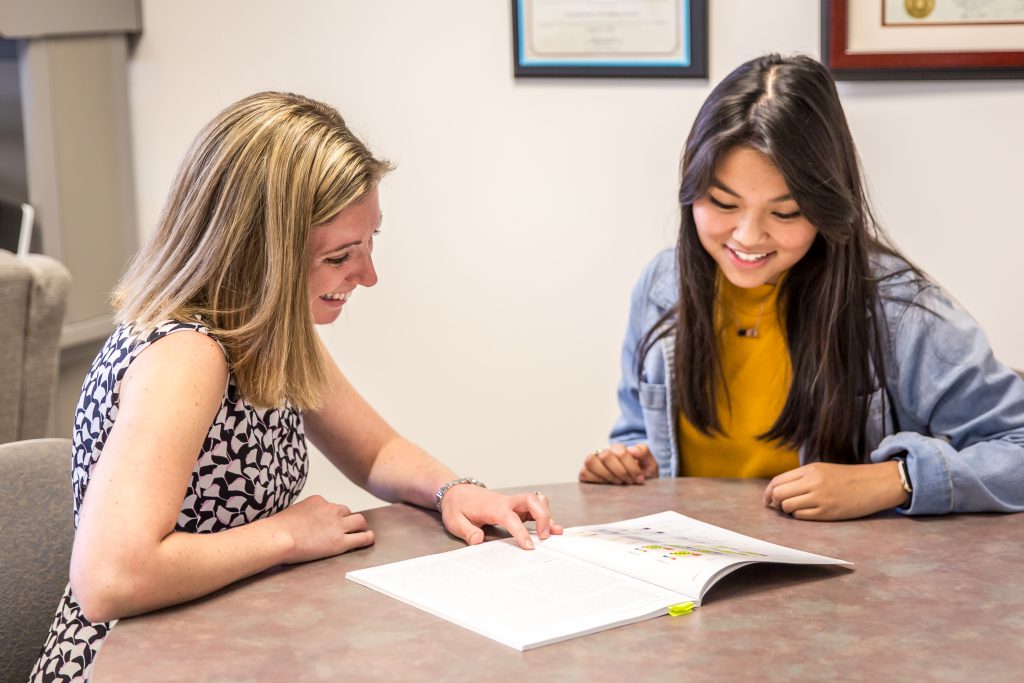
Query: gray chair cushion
[{"x": 36, "y": 532}]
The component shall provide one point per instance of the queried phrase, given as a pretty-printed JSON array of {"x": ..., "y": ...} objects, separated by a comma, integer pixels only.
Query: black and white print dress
[{"x": 252, "y": 465}]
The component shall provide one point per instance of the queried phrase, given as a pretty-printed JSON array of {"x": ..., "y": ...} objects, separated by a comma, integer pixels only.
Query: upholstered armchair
[{"x": 33, "y": 292}]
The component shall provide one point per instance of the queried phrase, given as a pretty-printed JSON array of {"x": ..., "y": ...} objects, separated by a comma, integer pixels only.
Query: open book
[{"x": 587, "y": 580}]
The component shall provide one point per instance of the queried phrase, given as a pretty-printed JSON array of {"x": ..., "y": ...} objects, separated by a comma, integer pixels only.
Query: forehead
[
  {"x": 744, "y": 167},
  {"x": 354, "y": 223}
]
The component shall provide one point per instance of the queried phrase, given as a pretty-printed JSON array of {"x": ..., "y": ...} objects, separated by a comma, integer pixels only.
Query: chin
[
  {"x": 325, "y": 317},
  {"x": 748, "y": 279},
  {"x": 745, "y": 280}
]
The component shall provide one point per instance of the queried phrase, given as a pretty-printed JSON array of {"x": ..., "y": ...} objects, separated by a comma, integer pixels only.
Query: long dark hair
[{"x": 788, "y": 109}]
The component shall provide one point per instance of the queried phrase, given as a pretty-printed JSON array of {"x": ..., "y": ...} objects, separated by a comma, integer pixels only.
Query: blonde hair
[{"x": 231, "y": 246}]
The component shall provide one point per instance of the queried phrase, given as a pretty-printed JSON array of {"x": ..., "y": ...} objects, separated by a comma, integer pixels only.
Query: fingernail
[{"x": 640, "y": 479}]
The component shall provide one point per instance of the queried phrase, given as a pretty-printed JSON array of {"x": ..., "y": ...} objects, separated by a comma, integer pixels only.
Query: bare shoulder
[{"x": 185, "y": 367}]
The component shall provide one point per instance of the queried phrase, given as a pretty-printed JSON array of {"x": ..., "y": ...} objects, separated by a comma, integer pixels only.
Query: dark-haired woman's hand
[
  {"x": 827, "y": 492},
  {"x": 619, "y": 464}
]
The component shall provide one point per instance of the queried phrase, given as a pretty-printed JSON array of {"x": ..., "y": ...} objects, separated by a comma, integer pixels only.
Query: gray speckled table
[{"x": 938, "y": 598}]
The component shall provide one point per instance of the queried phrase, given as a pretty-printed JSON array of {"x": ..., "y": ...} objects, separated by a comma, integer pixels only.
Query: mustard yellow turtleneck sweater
[{"x": 758, "y": 372}]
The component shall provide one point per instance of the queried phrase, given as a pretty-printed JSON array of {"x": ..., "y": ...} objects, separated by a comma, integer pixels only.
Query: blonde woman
[{"x": 189, "y": 440}]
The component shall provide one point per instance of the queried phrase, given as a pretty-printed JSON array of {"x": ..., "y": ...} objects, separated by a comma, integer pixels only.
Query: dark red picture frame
[{"x": 906, "y": 65}]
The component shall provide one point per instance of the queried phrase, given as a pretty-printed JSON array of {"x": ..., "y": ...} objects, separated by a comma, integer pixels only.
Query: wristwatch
[{"x": 901, "y": 465}]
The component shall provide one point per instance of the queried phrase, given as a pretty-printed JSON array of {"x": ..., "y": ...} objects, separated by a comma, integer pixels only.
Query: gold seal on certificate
[
  {"x": 919, "y": 9},
  {"x": 948, "y": 12}
]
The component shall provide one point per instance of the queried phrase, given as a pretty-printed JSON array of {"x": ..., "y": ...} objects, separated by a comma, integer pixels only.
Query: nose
[
  {"x": 748, "y": 231},
  {"x": 366, "y": 274}
]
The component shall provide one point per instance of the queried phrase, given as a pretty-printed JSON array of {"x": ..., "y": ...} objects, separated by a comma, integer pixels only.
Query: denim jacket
[{"x": 955, "y": 411}]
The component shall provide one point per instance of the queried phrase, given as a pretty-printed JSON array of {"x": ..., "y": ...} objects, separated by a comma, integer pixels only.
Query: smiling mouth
[
  {"x": 749, "y": 256},
  {"x": 336, "y": 297}
]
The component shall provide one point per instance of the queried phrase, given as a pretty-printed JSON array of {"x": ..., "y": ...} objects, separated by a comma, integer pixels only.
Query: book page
[
  {"x": 520, "y": 598},
  {"x": 673, "y": 551}
]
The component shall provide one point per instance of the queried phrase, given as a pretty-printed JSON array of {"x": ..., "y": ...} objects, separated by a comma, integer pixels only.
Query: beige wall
[{"x": 522, "y": 211}]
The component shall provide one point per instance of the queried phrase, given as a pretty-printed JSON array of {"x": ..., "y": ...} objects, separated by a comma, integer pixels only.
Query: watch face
[{"x": 904, "y": 475}]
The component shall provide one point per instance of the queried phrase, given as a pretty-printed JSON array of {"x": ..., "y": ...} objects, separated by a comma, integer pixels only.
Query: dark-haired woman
[{"x": 783, "y": 338}]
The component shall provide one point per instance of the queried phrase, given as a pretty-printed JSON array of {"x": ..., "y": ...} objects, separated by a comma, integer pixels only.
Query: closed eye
[
  {"x": 337, "y": 260},
  {"x": 720, "y": 205},
  {"x": 787, "y": 216}
]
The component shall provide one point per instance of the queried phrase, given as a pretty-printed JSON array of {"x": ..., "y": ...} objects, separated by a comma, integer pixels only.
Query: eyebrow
[
  {"x": 343, "y": 246},
  {"x": 725, "y": 188}
]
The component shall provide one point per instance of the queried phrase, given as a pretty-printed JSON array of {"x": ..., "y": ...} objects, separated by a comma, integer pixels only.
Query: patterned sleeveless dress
[{"x": 252, "y": 465}]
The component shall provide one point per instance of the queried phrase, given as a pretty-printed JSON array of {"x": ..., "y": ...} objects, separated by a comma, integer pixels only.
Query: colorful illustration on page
[{"x": 664, "y": 546}]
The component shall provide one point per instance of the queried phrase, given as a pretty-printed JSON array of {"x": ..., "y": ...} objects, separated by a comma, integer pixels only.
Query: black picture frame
[
  {"x": 907, "y": 65},
  {"x": 693, "y": 51}
]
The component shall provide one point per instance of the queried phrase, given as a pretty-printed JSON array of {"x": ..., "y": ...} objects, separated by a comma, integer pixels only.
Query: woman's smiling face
[
  {"x": 749, "y": 222},
  {"x": 341, "y": 257}
]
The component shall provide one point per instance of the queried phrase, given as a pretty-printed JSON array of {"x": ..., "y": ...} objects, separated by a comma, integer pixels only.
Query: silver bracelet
[{"x": 454, "y": 482}]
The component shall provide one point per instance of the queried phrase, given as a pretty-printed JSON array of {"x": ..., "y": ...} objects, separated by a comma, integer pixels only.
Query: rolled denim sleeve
[{"x": 960, "y": 412}]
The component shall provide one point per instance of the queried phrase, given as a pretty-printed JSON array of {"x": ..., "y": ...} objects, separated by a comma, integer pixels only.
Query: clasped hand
[{"x": 619, "y": 464}]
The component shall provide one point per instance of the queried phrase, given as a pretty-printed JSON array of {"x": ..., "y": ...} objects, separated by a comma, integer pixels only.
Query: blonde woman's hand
[
  {"x": 316, "y": 528},
  {"x": 466, "y": 508},
  {"x": 619, "y": 464},
  {"x": 827, "y": 491}
]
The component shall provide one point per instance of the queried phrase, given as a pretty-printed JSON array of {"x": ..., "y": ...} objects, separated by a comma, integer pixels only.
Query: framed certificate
[
  {"x": 659, "y": 38},
  {"x": 922, "y": 39}
]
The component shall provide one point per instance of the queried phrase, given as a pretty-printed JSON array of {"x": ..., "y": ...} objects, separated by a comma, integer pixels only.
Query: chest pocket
[
  {"x": 652, "y": 396},
  {"x": 880, "y": 420}
]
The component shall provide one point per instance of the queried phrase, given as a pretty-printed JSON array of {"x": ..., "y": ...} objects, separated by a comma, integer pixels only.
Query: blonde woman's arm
[
  {"x": 369, "y": 452},
  {"x": 127, "y": 557}
]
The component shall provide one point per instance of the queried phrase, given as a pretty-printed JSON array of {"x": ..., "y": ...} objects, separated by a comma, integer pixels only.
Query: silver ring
[{"x": 539, "y": 494}]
